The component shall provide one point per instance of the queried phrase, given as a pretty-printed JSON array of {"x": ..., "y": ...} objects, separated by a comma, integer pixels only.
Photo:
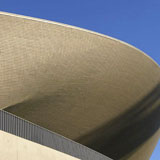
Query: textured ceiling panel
[{"x": 91, "y": 88}]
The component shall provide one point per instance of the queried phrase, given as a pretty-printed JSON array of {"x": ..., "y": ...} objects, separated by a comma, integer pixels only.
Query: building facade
[{"x": 69, "y": 93}]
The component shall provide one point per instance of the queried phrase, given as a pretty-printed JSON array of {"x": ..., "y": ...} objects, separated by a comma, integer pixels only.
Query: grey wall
[{"x": 22, "y": 128}]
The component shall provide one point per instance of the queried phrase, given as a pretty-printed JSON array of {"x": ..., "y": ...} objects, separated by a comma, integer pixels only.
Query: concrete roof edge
[{"x": 78, "y": 28}]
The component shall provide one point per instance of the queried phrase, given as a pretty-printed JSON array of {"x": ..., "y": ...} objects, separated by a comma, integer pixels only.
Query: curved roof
[{"x": 91, "y": 88}]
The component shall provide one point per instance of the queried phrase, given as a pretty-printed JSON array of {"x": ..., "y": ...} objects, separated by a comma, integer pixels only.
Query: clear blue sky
[{"x": 136, "y": 21}]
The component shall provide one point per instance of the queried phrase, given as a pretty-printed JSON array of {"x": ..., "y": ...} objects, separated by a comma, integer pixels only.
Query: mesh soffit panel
[{"x": 88, "y": 87}]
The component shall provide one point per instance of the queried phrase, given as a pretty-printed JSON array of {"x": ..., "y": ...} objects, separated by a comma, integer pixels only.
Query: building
[{"x": 60, "y": 81}]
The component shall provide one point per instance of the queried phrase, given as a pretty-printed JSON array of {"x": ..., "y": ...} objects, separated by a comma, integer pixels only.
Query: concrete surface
[{"x": 16, "y": 148}]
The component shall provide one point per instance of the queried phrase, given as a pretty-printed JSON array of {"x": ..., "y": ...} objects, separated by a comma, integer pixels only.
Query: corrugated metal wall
[{"x": 22, "y": 128}]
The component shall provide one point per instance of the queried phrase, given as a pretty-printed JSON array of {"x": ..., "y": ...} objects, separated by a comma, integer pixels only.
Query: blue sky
[{"x": 136, "y": 21}]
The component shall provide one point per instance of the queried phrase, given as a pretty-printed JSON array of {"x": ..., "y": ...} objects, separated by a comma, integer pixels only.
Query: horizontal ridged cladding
[{"x": 27, "y": 130}]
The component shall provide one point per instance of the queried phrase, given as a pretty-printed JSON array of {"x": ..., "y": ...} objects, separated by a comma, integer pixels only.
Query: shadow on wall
[{"x": 122, "y": 135}]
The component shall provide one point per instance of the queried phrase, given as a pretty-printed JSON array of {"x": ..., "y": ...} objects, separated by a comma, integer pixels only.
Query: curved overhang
[{"x": 88, "y": 87}]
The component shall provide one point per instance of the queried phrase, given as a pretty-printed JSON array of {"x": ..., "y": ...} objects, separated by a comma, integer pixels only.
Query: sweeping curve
[{"x": 82, "y": 85}]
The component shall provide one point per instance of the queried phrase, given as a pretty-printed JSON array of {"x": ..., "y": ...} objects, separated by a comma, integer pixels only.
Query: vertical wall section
[{"x": 29, "y": 131}]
